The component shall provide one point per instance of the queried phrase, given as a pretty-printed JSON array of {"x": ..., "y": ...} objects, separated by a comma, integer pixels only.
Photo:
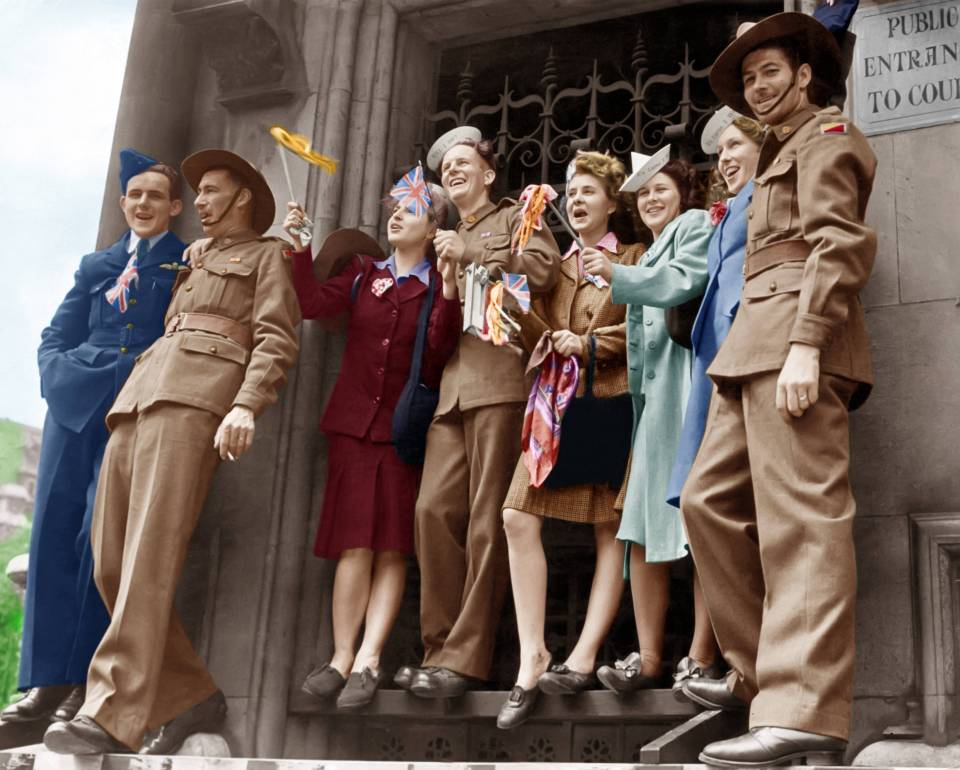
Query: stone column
[{"x": 156, "y": 103}]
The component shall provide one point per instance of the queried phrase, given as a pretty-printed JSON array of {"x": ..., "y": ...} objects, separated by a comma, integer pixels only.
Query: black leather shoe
[
  {"x": 518, "y": 707},
  {"x": 323, "y": 681},
  {"x": 81, "y": 736},
  {"x": 712, "y": 694},
  {"x": 37, "y": 703},
  {"x": 206, "y": 717},
  {"x": 70, "y": 705},
  {"x": 441, "y": 683},
  {"x": 626, "y": 675},
  {"x": 406, "y": 674},
  {"x": 560, "y": 679},
  {"x": 360, "y": 689},
  {"x": 764, "y": 746},
  {"x": 688, "y": 668}
]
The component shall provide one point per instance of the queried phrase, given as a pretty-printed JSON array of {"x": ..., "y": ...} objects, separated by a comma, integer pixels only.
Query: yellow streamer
[
  {"x": 497, "y": 331},
  {"x": 532, "y": 213},
  {"x": 299, "y": 145}
]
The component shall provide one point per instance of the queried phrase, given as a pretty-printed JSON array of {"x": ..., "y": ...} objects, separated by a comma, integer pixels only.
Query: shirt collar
[
  {"x": 135, "y": 241},
  {"x": 608, "y": 242},
  {"x": 785, "y": 130},
  {"x": 420, "y": 271}
]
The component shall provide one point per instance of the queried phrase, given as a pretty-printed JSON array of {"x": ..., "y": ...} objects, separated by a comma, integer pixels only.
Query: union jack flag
[
  {"x": 516, "y": 284},
  {"x": 412, "y": 193},
  {"x": 120, "y": 293}
]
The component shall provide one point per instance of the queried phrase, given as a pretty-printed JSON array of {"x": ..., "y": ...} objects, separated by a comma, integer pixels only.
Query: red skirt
[{"x": 369, "y": 499}]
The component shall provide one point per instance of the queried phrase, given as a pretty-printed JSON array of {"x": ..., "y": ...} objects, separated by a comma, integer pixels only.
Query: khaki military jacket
[
  {"x": 808, "y": 252},
  {"x": 480, "y": 373},
  {"x": 578, "y": 305},
  {"x": 243, "y": 280}
]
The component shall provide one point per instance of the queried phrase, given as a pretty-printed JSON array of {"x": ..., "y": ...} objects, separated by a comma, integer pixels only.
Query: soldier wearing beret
[
  {"x": 191, "y": 400},
  {"x": 768, "y": 506},
  {"x": 113, "y": 312},
  {"x": 474, "y": 440}
]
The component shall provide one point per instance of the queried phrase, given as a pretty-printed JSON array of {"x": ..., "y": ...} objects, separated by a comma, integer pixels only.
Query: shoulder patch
[{"x": 833, "y": 128}]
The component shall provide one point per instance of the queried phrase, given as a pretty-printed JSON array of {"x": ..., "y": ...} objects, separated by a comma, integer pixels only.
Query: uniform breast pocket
[
  {"x": 496, "y": 247},
  {"x": 774, "y": 199},
  {"x": 98, "y": 301},
  {"x": 226, "y": 285}
]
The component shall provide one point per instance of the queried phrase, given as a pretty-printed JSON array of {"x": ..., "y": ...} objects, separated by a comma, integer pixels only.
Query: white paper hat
[
  {"x": 719, "y": 122},
  {"x": 448, "y": 140},
  {"x": 645, "y": 167}
]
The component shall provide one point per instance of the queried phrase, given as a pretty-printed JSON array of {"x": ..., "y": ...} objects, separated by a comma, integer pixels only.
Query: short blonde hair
[{"x": 612, "y": 174}]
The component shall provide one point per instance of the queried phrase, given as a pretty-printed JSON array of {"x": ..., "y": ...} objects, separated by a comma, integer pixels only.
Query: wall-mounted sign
[{"x": 906, "y": 68}]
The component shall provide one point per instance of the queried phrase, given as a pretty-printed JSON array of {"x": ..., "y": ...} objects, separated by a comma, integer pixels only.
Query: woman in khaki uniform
[{"x": 576, "y": 309}]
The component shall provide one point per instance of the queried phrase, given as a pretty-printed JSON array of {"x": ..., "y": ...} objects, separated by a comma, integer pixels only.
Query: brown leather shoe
[
  {"x": 206, "y": 717},
  {"x": 323, "y": 681},
  {"x": 765, "y": 746},
  {"x": 517, "y": 708},
  {"x": 37, "y": 703},
  {"x": 81, "y": 736},
  {"x": 70, "y": 705},
  {"x": 441, "y": 683},
  {"x": 712, "y": 694}
]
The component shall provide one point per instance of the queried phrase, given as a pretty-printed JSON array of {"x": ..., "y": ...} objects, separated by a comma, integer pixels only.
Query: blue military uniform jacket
[
  {"x": 721, "y": 299},
  {"x": 88, "y": 350}
]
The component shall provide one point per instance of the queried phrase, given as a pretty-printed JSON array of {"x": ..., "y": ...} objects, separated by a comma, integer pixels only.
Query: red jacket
[{"x": 381, "y": 332}]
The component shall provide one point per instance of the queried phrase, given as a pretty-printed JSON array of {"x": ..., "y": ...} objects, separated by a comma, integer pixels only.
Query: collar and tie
[{"x": 119, "y": 295}]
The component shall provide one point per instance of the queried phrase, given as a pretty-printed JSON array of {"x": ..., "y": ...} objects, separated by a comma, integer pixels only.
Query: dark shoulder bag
[
  {"x": 595, "y": 437},
  {"x": 679, "y": 321},
  {"x": 417, "y": 402}
]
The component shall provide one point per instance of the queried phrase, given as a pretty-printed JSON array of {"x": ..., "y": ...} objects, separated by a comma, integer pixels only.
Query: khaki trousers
[
  {"x": 769, "y": 515},
  {"x": 461, "y": 548},
  {"x": 155, "y": 475}
]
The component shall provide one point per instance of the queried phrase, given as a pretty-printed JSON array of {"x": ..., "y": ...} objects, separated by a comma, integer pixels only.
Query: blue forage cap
[
  {"x": 131, "y": 164},
  {"x": 836, "y": 17}
]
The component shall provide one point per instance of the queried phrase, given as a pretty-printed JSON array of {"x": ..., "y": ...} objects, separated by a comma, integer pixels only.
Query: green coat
[{"x": 672, "y": 271}]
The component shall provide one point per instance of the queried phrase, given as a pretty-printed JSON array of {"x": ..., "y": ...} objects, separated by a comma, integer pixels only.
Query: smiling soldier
[
  {"x": 768, "y": 506},
  {"x": 112, "y": 314},
  {"x": 191, "y": 401}
]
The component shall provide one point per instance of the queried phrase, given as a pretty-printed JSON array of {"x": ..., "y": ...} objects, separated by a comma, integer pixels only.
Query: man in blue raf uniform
[{"x": 112, "y": 314}]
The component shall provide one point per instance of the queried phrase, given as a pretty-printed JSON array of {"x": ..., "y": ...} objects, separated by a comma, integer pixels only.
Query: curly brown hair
[
  {"x": 716, "y": 185},
  {"x": 611, "y": 174},
  {"x": 692, "y": 193}
]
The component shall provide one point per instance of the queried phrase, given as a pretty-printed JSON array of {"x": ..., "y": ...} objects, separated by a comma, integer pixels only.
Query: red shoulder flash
[{"x": 833, "y": 128}]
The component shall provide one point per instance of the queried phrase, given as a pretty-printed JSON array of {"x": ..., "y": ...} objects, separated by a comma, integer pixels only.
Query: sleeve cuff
[
  {"x": 250, "y": 399},
  {"x": 616, "y": 284},
  {"x": 813, "y": 330}
]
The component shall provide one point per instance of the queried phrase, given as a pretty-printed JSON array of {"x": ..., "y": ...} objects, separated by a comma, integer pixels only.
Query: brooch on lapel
[
  {"x": 717, "y": 212},
  {"x": 174, "y": 266},
  {"x": 380, "y": 285}
]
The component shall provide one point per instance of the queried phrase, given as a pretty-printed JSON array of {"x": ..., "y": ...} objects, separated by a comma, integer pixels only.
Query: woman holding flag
[
  {"x": 367, "y": 517},
  {"x": 569, "y": 329}
]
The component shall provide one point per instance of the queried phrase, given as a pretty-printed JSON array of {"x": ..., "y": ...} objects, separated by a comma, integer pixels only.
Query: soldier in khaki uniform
[
  {"x": 474, "y": 440},
  {"x": 768, "y": 506},
  {"x": 190, "y": 401}
]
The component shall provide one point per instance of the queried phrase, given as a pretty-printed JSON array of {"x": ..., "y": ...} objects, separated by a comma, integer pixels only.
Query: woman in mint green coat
[{"x": 672, "y": 271}]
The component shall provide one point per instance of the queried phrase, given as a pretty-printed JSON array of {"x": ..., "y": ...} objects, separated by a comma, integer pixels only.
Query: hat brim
[
  {"x": 820, "y": 50},
  {"x": 340, "y": 247},
  {"x": 447, "y": 140},
  {"x": 719, "y": 122},
  {"x": 264, "y": 205},
  {"x": 647, "y": 171}
]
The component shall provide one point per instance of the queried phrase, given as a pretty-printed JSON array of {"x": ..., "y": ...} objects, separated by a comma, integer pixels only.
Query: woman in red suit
[{"x": 367, "y": 517}]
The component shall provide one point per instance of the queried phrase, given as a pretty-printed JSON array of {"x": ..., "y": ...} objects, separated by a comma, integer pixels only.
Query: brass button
[
  {"x": 750, "y": 214},
  {"x": 223, "y": 271},
  {"x": 199, "y": 264},
  {"x": 787, "y": 129},
  {"x": 471, "y": 218},
  {"x": 459, "y": 273},
  {"x": 129, "y": 326},
  {"x": 213, "y": 348},
  {"x": 133, "y": 301},
  {"x": 123, "y": 349},
  {"x": 188, "y": 287},
  {"x": 773, "y": 285}
]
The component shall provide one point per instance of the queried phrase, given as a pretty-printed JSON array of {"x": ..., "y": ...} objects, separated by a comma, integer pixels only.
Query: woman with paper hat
[
  {"x": 767, "y": 505},
  {"x": 367, "y": 518},
  {"x": 579, "y": 320},
  {"x": 672, "y": 271},
  {"x": 735, "y": 139}
]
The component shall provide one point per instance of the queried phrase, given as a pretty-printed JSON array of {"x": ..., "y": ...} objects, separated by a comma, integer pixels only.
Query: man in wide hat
[
  {"x": 191, "y": 400},
  {"x": 768, "y": 506}
]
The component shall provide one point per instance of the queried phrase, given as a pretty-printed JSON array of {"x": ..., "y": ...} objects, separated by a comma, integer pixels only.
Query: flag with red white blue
[
  {"x": 412, "y": 193},
  {"x": 119, "y": 295},
  {"x": 516, "y": 284}
]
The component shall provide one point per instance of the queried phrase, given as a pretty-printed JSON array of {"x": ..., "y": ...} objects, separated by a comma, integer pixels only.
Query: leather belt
[
  {"x": 775, "y": 254},
  {"x": 217, "y": 324}
]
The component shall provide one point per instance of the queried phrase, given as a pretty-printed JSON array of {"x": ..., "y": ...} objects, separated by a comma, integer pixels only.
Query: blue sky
[{"x": 61, "y": 70}]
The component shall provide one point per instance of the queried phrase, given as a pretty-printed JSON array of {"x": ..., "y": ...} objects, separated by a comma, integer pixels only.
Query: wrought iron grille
[{"x": 536, "y": 134}]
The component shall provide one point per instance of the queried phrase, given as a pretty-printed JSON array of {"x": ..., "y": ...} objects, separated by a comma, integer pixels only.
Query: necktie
[{"x": 119, "y": 295}]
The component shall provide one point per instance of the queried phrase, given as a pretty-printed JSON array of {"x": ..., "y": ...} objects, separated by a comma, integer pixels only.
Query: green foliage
[
  {"x": 11, "y": 616},
  {"x": 11, "y": 451}
]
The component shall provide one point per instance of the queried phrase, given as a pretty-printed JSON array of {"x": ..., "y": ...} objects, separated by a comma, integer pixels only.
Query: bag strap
[
  {"x": 591, "y": 365},
  {"x": 355, "y": 288},
  {"x": 422, "y": 322}
]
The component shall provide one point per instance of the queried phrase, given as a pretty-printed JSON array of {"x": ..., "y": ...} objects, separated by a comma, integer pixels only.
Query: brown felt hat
[
  {"x": 817, "y": 47},
  {"x": 264, "y": 206},
  {"x": 340, "y": 247}
]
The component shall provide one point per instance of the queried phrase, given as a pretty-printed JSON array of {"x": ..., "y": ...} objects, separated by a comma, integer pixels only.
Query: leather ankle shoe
[
  {"x": 70, "y": 705},
  {"x": 441, "y": 683},
  {"x": 323, "y": 681},
  {"x": 764, "y": 746},
  {"x": 37, "y": 703},
  {"x": 206, "y": 717},
  {"x": 712, "y": 694},
  {"x": 560, "y": 679},
  {"x": 81, "y": 736},
  {"x": 360, "y": 689},
  {"x": 518, "y": 707},
  {"x": 626, "y": 675},
  {"x": 689, "y": 668}
]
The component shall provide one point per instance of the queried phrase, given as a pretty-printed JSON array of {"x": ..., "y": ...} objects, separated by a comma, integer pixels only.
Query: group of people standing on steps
[{"x": 725, "y": 439}]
